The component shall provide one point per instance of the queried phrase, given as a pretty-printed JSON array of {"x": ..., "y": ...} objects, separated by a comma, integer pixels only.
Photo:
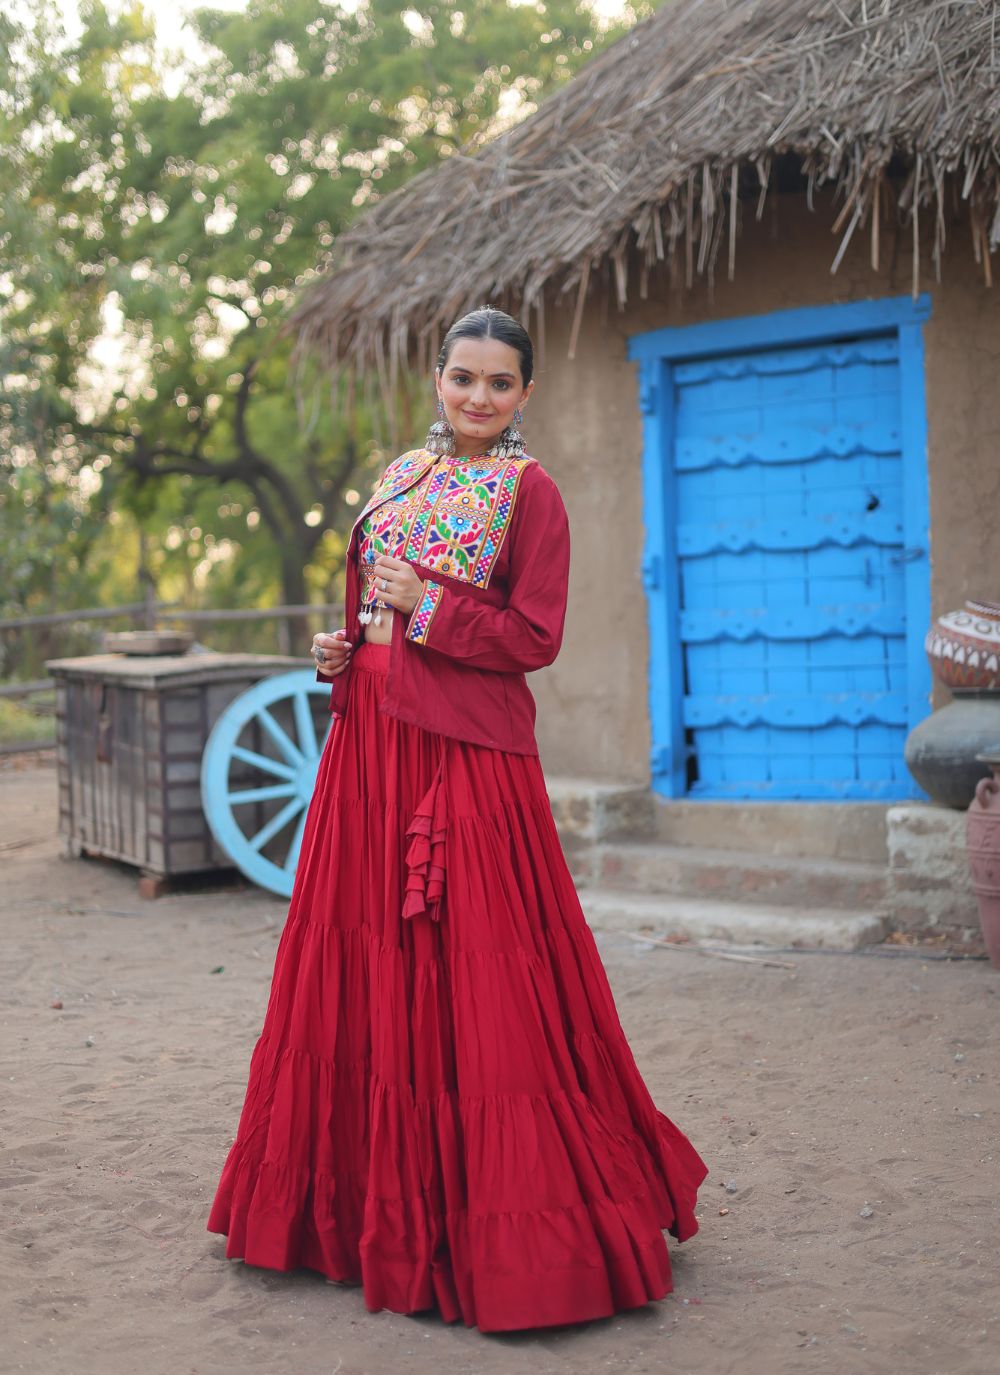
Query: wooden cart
[{"x": 136, "y": 782}]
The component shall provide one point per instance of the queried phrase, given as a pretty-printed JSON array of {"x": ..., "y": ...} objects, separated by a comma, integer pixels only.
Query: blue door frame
[{"x": 657, "y": 353}]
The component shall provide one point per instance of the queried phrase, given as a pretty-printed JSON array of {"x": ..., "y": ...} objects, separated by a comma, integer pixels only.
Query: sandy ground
[{"x": 847, "y": 1083}]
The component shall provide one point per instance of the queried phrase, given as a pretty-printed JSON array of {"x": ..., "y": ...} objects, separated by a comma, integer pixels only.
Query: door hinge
[
  {"x": 659, "y": 760},
  {"x": 652, "y": 566}
]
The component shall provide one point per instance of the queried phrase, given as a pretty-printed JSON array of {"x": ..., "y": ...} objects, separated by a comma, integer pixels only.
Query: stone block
[
  {"x": 928, "y": 877},
  {"x": 592, "y": 811}
]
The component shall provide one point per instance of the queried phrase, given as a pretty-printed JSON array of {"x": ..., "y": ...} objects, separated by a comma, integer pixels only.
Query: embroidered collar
[{"x": 456, "y": 522}]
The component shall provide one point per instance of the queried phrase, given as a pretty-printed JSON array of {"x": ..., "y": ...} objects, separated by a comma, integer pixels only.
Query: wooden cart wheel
[{"x": 258, "y": 772}]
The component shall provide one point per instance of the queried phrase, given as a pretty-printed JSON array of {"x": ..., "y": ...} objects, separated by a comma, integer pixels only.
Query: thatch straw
[{"x": 654, "y": 150}]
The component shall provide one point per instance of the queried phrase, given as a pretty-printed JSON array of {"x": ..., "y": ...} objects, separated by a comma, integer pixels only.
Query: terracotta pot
[
  {"x": 983, "y": 845},
  {"x": 964, "y": 648}
]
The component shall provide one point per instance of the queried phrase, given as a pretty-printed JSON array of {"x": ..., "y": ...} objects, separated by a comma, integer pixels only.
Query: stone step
[
  {"x": 803, "y": 830},
  {"x": 589, "y": 810},
  {"x": 739, "y": 923},
  {"x": 730, "y": 875}
]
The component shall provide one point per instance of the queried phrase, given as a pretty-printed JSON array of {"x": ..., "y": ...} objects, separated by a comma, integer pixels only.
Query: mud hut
[{"x": 754, "y": 243}]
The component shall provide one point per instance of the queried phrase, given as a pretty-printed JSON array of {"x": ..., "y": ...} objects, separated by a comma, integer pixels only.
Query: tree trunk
[{"x": 295, "y": 593}]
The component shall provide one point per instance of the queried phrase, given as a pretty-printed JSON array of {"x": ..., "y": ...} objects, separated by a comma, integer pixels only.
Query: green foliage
[
  {"x": 27, "y": 723},
  {"x": 172, "y": 211}
]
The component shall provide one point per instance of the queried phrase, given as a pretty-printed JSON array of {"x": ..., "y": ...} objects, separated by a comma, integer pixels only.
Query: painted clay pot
[
  {"x": 941, "y": 750},
  {"x": 964, "y": 648},
  {"x": 983, "y": 847}
]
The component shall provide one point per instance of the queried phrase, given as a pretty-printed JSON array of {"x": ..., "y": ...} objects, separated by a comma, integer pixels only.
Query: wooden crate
[{"x": 130, "y": 734}]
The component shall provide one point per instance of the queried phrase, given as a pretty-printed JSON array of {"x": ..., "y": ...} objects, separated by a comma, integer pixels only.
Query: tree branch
[{"x": 263, "y": 467}]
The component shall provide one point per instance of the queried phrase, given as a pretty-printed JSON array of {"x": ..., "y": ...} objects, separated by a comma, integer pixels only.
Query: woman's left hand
[{"x": 396, "y": 583}]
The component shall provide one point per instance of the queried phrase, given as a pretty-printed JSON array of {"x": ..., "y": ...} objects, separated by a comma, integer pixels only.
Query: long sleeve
[{"x": 526, "y": 633}]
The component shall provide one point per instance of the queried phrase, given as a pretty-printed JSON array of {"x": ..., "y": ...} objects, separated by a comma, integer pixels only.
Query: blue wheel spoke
[
  {"x": 261, "y": 761},
  {"x": 275, "y": 775},
  {"x": 279, "y": 820},
  {"x": 262, "y": 794},
  {"x": 280, "y": 738},
  {"x": 292, "y": 858},
  {"x": 304, "y": 726}
]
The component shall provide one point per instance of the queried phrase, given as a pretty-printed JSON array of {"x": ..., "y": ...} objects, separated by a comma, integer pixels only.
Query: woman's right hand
[{"x": 336, "y": 649}]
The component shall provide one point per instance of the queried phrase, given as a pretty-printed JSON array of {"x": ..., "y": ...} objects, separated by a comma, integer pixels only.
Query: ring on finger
[
  {"x": 385, "y": 584},
  {"x": 319, "y": 654}
]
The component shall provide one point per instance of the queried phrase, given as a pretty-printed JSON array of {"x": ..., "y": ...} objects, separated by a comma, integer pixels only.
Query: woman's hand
[
  {"x": 336, "y": 651},
  {"x": 396, "y": 583}
]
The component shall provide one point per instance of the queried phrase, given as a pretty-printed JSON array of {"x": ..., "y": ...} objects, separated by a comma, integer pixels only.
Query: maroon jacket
[{"x": 457, "y": 665}]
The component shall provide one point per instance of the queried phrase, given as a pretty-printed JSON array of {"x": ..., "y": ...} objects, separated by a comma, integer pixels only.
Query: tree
[{"x": 181, "y": 207}]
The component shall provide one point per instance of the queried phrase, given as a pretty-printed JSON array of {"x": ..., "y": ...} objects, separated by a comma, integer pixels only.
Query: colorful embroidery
[
  {"x": 464, "y": 517},
  {"x": 383, "y": 531},
  {"x": 454, "y": 520},
  {"x": 423, "y": 613},
  {"x": 402, "y": 473}
]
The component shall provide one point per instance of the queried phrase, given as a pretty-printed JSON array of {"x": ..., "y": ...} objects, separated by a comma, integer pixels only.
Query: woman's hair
[{"x": 489, "y": 323}]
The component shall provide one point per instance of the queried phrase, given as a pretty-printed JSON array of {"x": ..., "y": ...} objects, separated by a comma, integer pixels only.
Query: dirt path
[{"x": 846, "y": 1084}]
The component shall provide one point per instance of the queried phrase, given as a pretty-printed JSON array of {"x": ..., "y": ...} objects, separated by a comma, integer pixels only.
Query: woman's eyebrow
[{"x": 469, "y": 371}]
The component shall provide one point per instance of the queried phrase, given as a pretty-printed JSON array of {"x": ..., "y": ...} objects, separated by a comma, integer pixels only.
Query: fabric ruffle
[
  {"x": 442, "y": 1105},
  {"x": 425, "y": 859}
]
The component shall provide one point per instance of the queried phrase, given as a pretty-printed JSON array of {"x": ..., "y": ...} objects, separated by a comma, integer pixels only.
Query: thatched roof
[{"x": 646, "y": 153}]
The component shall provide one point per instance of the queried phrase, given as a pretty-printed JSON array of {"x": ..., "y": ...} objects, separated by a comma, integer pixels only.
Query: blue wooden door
[{"x": 787, "y": 571}]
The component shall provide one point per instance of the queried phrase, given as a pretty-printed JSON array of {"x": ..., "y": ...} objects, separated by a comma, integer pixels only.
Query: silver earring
[
  {"x": 509, "y": 444},
  {"x": 518, "y": 416},
  {"x": 440, "y": 437}
]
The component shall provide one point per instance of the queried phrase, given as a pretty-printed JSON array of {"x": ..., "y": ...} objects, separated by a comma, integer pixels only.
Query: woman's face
[{"x": 480, "y": 388}]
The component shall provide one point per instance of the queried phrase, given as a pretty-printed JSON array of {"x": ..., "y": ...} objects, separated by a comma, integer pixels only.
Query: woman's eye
[{"x": 504, "y": 386}]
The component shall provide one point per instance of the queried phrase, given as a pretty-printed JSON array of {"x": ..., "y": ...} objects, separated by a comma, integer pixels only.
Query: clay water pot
[
  {"x": 944, "y": 751},
  {"x": 983, "y": 848}
]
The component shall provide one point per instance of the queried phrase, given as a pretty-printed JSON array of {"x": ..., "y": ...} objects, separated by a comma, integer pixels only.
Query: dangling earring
[
  {"x": 509, "y": 443},
  {"x": 440, "y": 437}
]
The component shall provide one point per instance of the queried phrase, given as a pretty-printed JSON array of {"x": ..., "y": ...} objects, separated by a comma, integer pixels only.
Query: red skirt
[{"x": 442, "y": 1105}]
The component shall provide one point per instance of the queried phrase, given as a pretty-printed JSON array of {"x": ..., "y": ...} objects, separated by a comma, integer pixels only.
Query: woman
[{"x": 442, "y": 1105}]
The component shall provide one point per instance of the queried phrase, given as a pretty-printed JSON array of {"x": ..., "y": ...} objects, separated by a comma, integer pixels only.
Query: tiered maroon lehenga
[{"x": 442, "y": 1105}]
